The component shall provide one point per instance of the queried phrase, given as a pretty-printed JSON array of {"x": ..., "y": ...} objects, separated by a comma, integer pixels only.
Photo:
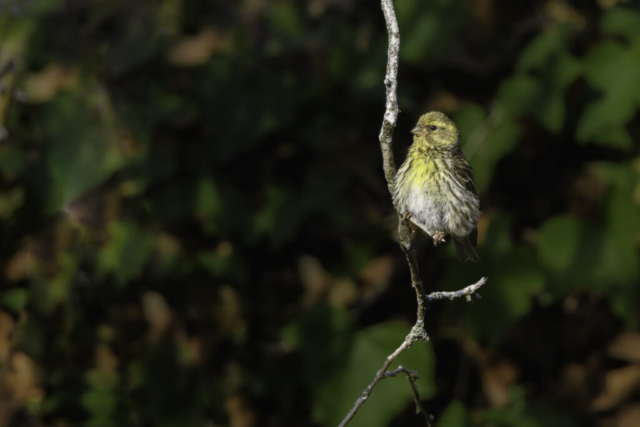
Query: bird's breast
[
  {"x": 424, "y": 199},
  {"x": 435, "y": 199}
]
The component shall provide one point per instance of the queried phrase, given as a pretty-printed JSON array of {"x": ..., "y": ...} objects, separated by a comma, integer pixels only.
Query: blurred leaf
[
  {"x": 564, "y": 70},
  {"x": 604, "y": 63},
  {"x": 547, "y": 56},
  {"x": 620, "y": 265},
  {"x": 625, "y": 346},
  {"x": 603, "y": 121},
  {"x": 623, "y": 217},
  {"x": 243, "y": 124},
  {"x": 540, "y": 50},
  {"x": 31, "y": 337},
  {"x": 208, "y": 205},
  {"x": 284, "y": 18},
  {"x": 324, "y": 335},
  {"x": 570, "y": 249},
  {"x": 522, "y": 414},
  {"x": 14, "y": 299},
  {"x": 455, "y": 415},
  {"x": 224, "y": 263},
  {"x": 506, "y": 298},
  {"x": 48, "y": 293},
  {"x": 542, "y": 93},
  {"x": 43, "y": 86},
  {"x": 280, "y": 216},
  {"x": 427, "y": 28},
  {"x": 126, "y": 253},
  {"x": 136, "y": 42},
  {"x": 622, "y": 21},
  {"x": 501, "y": 138},
  {"x": 12, "y": 161},
  {"x": 551, "y": 112},
  {"x": 370, "y": 348},
  {"x": 84, "y": 148},
  {"x": 619, "y": 384},
  {"x": 469, "y": 119},
  {"x": 196, "y": 50},
  {"x": 497, "y": 241},
  {"x": 101, "y": 404},
  {"x": 513, "y": 416},
  {"x": 558, "y": 242},
  {"x": 15, "y": 37},
  {"x": 610, "y": 67},
  {"x": 518, "y": 94},
  {"x": 102, "y": 380},
  {"x": 10, "y": 202}
]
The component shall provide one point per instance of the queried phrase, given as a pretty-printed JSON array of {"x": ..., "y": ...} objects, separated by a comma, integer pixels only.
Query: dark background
[{"x": 195, "y": 229}]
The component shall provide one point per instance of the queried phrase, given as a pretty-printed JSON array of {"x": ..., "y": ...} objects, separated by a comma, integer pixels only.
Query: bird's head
[{"x": 435, "y": 129}]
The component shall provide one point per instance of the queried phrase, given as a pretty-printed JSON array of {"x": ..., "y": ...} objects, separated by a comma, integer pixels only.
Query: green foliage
[
  {"x": 83, "y": 149},
  {"x": 126, "y": 253},
  {"x": 166, "y": 167},
  {"x": 340, "y": 364},
  {"x": 545, "y": 70},
  {"x": 427, "y": 28},
  {"x": 570, "y": 250},
  {"x": 454, "y": 416},
  {"x": 518, "y": 414},
  {"x": 609, "y": 68},
  {"x": 513, "y": 284}
]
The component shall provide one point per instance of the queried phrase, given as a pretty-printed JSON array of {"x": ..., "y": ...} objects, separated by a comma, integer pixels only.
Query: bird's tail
[{"x": 465, "y": 251}]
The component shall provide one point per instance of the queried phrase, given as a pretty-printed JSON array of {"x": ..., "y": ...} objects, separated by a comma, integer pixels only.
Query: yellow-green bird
[{"x": 435, "y": 186}]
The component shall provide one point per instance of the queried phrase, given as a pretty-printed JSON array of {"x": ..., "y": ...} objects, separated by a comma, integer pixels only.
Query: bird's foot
[
  {"x": 406, "y": 216},
  {"x": 438, "y": 237}
]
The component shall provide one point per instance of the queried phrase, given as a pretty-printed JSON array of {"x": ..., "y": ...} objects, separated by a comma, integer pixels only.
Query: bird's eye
[{"x": 434, "y": 127}]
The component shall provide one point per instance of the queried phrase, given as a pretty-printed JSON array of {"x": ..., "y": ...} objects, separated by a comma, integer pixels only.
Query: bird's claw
[
  {"x": 406, "y": 216},
  {"x": 438, "y": 237}
]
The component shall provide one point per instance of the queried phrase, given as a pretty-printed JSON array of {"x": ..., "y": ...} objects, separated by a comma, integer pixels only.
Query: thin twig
[
  {"x": 379, "y": 376},
  {"x": 412, "y": 376},
  {"x": 418, "y": 332},
  {"x": 468, "y": 292}
]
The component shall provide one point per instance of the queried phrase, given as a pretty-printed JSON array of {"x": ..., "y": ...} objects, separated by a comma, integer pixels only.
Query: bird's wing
[{"x": 464, "y": 174}]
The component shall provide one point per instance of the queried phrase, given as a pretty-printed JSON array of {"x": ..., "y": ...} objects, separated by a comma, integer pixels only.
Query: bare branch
[
  {"x": 418, "y": 332},
  {"x": 468, "y": 292}
]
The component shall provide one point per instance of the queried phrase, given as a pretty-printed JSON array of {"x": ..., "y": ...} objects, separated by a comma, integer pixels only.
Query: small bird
[{"x": 435, "y": 186}]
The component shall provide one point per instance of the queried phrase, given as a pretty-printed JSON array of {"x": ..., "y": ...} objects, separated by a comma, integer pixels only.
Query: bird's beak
[{"x": 417, "y": 130}]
